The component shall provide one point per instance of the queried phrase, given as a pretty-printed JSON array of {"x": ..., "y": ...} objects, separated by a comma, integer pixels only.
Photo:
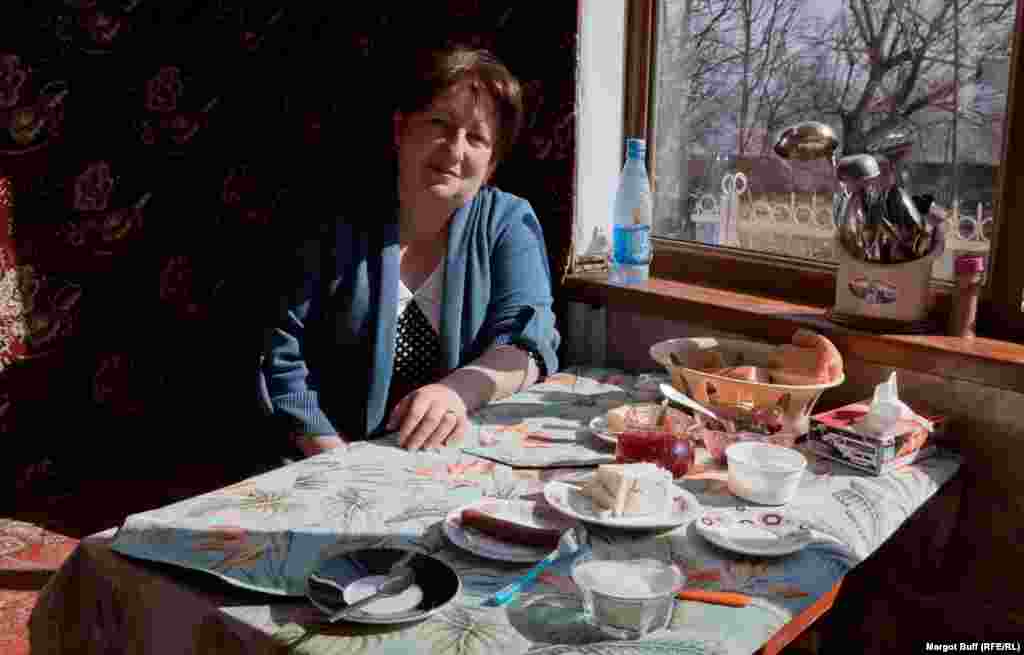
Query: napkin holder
[
  {"x": 879, "y": 435},
  {"x": 883, "y": 297}
]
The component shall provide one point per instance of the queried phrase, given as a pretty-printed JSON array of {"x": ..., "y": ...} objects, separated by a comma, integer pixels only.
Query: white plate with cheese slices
[{"x": 568, "y": 499}]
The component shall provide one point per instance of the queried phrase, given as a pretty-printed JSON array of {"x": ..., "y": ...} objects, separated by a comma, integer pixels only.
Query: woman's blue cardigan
[{"x": 328, "y": 361}]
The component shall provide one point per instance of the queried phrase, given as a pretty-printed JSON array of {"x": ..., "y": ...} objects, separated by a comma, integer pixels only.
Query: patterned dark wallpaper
[{"x": 149, "y": 148}]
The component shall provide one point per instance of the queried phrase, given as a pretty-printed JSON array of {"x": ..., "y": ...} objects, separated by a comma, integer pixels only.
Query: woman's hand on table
[
  {"x": 430, "y": 417},
  {"x": 319, "y": 443}
]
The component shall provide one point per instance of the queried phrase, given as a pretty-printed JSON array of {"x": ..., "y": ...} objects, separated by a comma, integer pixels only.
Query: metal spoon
[
  {"x": 906, "y": 207},
  {"x": 895, "y": 142},
  {"x": 397, "y": 581},
  {"x": 678, "y": 396}
]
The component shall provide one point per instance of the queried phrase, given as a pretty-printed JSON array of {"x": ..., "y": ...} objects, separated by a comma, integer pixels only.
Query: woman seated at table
[{"x": 424, "y": 303}]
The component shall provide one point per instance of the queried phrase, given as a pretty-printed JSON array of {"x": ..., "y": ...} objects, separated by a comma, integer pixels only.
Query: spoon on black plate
[{"x": 398, "y": 580}]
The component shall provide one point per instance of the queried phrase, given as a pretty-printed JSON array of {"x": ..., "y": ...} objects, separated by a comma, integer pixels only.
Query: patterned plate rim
[{"x": 785, "y": 544}]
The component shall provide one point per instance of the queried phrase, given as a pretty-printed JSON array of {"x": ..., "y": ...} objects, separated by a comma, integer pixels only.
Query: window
[{"x": 712, "y": 83}]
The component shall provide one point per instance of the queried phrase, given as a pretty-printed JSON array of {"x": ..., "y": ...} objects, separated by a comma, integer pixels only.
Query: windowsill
[{"x": 982, "y": 361}]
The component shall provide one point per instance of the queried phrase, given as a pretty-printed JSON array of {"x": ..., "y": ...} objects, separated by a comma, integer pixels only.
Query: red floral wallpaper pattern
[{"x": 147, "y": 150}]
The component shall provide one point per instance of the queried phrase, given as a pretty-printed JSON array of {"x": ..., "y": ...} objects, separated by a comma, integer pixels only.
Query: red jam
[{"x": 672, "y": 452}]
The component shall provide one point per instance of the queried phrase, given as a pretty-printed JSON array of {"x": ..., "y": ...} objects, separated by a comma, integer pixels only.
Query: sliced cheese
[
  {"x": 600, "y": 496},
  {"x": 635, "y": 489}
]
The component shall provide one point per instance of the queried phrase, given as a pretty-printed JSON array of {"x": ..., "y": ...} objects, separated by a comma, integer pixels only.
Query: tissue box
[{"x": 835, "y": 434}]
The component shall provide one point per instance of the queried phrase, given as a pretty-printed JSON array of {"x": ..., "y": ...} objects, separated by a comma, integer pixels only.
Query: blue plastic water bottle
[{"x": 633, "y": 213}]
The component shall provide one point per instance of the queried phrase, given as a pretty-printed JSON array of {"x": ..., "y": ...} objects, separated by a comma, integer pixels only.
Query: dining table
[{"x": 226, "y": 571}]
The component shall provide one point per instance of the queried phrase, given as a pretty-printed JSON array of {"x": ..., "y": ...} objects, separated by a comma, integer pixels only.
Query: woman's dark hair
[{"x": 436, "y": 70}]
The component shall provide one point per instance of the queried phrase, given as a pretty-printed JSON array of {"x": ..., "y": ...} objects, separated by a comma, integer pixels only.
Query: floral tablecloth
[{"x": 224, "y": 572}]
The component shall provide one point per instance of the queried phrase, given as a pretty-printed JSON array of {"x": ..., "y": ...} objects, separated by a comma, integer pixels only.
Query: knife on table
[{"x": 728, "y": 598}]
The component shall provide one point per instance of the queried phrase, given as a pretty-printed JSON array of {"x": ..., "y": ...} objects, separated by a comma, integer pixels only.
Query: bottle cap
[
  {"x": 969, "y": 264},
  {"x": 636, "y": 148}
]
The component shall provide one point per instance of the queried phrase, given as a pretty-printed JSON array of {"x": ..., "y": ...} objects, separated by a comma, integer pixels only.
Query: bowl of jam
[
  {"x": 744, "y": 423},
  {"x": 672, "y": 451},
  {"x": 717, "y": 440}
]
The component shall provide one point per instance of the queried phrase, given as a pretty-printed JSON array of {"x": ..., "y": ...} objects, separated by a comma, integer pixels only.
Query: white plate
[
  {"x": 599, "y": 426},
  {"x": 567, "y": 499},
  {"x": 753, "y": 531},
  {"x": 487, "y": 546}
]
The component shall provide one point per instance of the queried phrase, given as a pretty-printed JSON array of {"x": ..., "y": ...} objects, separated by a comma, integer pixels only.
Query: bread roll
[
  {"x": 809, "y": 359},
  {"x": 794, "y": 377},
  {"x": 748, "y": 373},
  {"x": 702, "y": 360},
  {"x": 833, "y": 360}
]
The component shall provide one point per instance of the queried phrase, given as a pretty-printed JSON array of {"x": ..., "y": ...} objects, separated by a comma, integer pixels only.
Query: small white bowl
[{"x": 764, "y": 473}]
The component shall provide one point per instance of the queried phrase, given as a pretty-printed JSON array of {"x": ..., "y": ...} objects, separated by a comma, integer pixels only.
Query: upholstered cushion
[{"x": 28, "y": 554}]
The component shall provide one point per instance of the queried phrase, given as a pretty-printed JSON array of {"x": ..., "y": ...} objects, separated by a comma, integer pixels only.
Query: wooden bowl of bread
[{"x": 735, "y": 376}]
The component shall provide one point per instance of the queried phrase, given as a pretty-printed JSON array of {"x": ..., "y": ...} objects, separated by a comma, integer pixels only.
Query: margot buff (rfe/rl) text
[{"x": 973, "y": 646}]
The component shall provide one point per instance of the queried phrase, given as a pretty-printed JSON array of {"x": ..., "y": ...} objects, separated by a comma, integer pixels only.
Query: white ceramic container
[{"x": 764, "y": 473}]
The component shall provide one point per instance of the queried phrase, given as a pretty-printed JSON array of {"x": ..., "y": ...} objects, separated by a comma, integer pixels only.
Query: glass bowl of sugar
[{"x": 626, "y": 598}]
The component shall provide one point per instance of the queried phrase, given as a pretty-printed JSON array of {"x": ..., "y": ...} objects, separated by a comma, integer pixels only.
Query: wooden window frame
[{"x": 1001, "y": 315}]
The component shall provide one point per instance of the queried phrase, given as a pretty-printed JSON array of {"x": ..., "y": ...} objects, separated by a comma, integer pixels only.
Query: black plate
[{"x": 326, "y": 584}]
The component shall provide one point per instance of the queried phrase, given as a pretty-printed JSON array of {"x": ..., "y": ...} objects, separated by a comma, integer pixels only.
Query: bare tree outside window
[{"x": 732, "y": 73}]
